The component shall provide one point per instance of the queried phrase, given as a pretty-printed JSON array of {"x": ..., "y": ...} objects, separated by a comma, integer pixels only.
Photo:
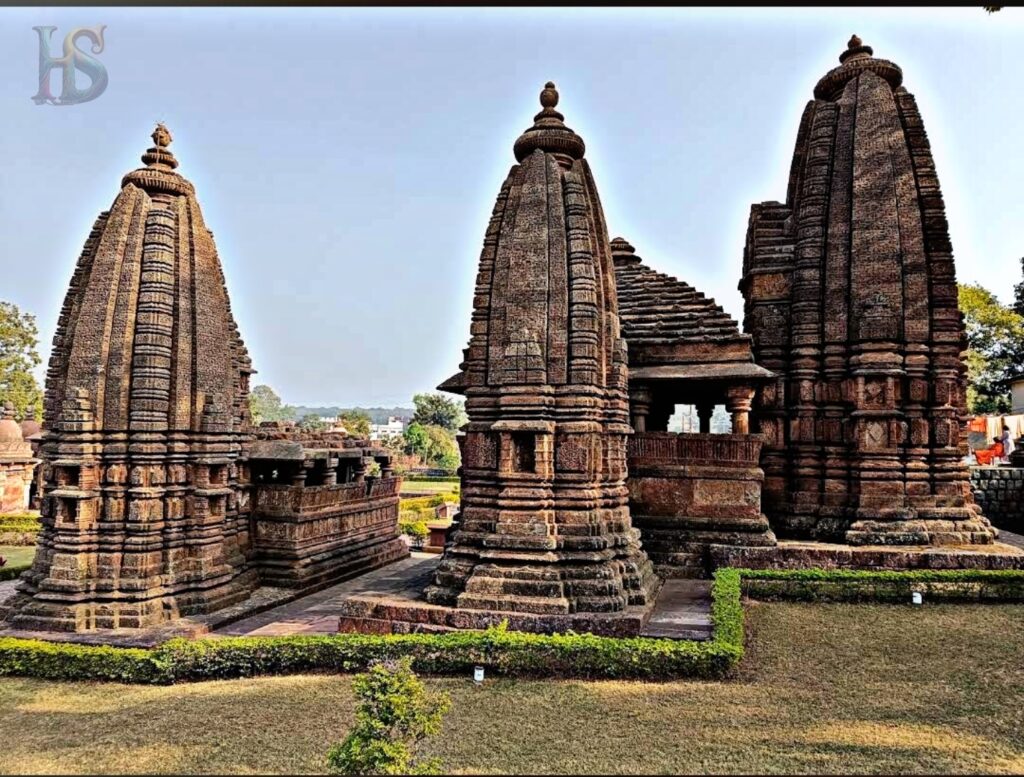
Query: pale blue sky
[{"x": 347, "y": 159}]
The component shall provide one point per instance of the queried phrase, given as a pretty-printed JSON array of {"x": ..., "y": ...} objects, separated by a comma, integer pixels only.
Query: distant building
[
  {"x": 1017, "y": 396},
  {"x": 394, "y": 427}
]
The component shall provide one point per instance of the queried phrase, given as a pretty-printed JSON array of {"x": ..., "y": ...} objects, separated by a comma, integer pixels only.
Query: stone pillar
[
  {"x": 299, "y": 478},
  {"x": 639, "y": 407},
  {"x": 738, "y": 401},
  {"x": 359, "y": 471},
  {"x": 704, "y": 412},
  {"x": 331, "y": 472}
]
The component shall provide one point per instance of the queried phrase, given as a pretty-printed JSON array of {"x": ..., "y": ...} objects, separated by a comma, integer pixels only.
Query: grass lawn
[
  {"x": 824, "y": 688},
  {"x": 17, "y": 555},
  {"x": 427, "y": 487}
]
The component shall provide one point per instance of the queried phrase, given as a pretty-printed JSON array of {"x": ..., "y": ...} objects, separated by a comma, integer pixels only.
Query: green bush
[
  {"x": 66, "y": 661},
  {"x": 427, "y": 504},
  {"x": 9, "y": 572},
  {"x": 500, "y": 651},
  {"x": 20, "y": 522},
  {"x": 395, "y": 714},
  {"x": 856, "y": 585}
]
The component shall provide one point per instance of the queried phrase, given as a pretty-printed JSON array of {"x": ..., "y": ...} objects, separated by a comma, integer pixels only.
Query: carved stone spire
[
  {"x": 146, "y": 349},
  {"x": 545, "y": 527},
  {"x": 851, "y": 299}
]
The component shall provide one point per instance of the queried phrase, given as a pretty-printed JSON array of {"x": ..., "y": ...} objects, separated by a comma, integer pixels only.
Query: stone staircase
[{"x": 683, "y": 611}]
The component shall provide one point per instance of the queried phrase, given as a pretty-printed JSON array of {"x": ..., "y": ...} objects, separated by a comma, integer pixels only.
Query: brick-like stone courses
[
  {"x": 330, "y": 520},
  {"x": 545, "y": 526},
  {"x": 16, "y": 464},
  {"x": 146, "y": 419},
  {"x": 850, "y": 295},
  {"x": 659, "y": 312},
  {"x": 999, "y": 491}
]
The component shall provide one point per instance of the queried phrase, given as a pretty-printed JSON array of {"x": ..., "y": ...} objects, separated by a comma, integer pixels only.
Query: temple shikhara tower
[
  {"x": 145, "y": 413},
  {"x": 545, "y": 525},
  {"x": 851, "y": 298},
  {"x": 160, "y": 501}
]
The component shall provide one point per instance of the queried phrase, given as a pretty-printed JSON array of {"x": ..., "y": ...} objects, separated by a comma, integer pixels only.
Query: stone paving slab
[
  {"x": 318, "y": 613},
  {"x": 681, "y": 611},
  {"x": 1009, "y": 538}
]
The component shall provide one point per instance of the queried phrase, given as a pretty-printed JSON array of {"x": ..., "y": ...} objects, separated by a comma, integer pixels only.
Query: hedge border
[
  {"x": 888, "y": 586},
  {"x": 499, "y": 651},
  {"x": 9, "y": 572}
]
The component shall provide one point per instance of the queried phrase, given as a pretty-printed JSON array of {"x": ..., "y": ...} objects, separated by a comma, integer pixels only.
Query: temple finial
[
  {"x": 855, "y": 48},
  {"x": 158, "y": 155},
  {"x": 549, "y": 132},
  {"x": 7, "y": 412},
  {"x": 161, "y": 135},
  {"x": 549, "y": 96}
]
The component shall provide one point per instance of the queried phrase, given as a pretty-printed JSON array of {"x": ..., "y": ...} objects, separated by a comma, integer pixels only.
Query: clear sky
[{"x": 347, "y": 159}]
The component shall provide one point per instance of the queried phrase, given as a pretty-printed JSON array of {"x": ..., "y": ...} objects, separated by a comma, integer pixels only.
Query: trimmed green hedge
[
  {"x": 501, "y": 652},
  {"x": 431, "y": 478},
  {"x": 9, "y": 571},
  {"x": 855, "y": 585},
  {"x": 66, "y": 661},
  {"x": 20, "y": 522}
]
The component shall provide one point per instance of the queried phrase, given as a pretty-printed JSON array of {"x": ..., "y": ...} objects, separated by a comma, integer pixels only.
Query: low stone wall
[
  {"x": 999, "y": 491},
  {"x": 690, "y": 491}
]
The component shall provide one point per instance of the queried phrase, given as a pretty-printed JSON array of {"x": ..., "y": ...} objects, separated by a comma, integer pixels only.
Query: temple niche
[
  {"x": 851, "y": 298},
  {"x": 688, "y": 491},
  {"x": 149, "y": 510}
]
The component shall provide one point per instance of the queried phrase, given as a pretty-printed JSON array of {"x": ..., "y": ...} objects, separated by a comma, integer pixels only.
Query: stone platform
[
  {"x": 401, "y": 608},
  {"x": 794, "y": 554},
  {"x": 682, "y": 610}
]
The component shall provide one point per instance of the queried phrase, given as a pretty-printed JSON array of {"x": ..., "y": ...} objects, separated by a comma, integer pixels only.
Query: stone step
[{"x": 682, "y": 611}]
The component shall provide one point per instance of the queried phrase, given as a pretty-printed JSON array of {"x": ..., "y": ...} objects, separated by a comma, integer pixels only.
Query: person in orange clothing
[{"x": 990, "y": 455}]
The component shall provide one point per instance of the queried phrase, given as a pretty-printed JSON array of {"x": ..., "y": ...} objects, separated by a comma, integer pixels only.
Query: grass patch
[
  {"x": 428, "y": 486},
  {"x": 834, "y": 688},
  {"x": 18, "y": 555}
]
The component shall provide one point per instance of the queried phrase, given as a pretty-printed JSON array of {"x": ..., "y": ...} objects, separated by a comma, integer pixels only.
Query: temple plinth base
[{"x": 793, "y": 554}]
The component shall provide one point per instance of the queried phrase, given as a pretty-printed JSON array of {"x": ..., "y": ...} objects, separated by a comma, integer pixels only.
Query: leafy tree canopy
[
  {"x": 356, "y": 422},
  {"x": 438, "y": 410},
  {"x": 311, "y": 423},
  {"x": 995, "y": 341},
  {"x": 19, "y": 355},
  {"x": 265, "y": 405}
]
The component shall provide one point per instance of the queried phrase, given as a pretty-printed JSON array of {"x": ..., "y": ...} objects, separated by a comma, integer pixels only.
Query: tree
[
  {"x": 311, "y": 423},
  {"x": 356, "y": 422},
  {"x": 995, "y": 338},
  {"x": 19, "y": 355},
  {"x": 265, "y": 405},
  {"x": 434, "y": 445},
  {"x": 438, "y": 410},
  {"x": 395, "y": 713}
]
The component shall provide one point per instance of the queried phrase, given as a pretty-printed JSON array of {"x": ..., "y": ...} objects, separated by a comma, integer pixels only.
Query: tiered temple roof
[{"x": 673, "y": 330}]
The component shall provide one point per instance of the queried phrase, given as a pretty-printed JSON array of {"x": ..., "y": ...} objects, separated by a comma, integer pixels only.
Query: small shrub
[{"x": 395, "y": 714}]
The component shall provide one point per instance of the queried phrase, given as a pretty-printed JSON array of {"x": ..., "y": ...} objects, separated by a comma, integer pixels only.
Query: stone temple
[
  {"x": 158, "y": 500},
  {"x": 845, "y": 389},
  {"x": 851, "y": 299}
]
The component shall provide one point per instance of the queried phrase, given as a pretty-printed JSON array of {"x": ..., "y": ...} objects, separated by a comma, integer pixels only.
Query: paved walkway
[
  {"x": 318, "y": 613},
  {"x": 1009, "y": 538},
  {"x": 683, "y": 609}
]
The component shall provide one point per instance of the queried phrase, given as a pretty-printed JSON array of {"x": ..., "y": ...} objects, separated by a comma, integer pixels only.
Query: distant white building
[{"x": 394, "y": 427}]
